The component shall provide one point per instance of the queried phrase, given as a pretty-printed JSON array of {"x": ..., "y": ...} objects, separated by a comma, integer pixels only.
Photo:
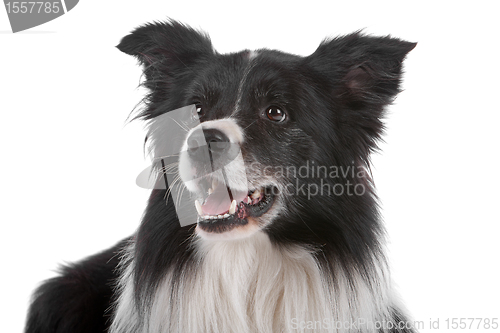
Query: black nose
[{"x": 218, "y": 143}]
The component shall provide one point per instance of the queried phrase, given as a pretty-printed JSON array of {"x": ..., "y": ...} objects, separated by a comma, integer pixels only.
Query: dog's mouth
[{"x": 223, "y": 208}]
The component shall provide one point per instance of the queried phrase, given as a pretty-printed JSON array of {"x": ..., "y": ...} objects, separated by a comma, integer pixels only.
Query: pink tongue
[{"x": 218, "y": 202}]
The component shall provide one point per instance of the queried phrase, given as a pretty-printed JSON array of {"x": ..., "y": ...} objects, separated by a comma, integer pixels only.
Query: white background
[{"x": 69, "y": 160}]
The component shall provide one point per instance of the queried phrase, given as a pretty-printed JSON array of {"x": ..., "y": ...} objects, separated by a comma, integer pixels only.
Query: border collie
[{"x": 283, "y": 231}]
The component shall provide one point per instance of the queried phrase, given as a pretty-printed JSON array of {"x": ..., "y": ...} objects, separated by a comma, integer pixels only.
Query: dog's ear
[
  {"x": 170, "y": 54},
  {"x": 367, "y": 70},
  {"x": 364, "y": 73},
  {"x": 170, "y": 42}
]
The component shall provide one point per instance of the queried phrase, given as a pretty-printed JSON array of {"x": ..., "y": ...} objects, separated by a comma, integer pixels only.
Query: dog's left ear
[
  {"x": 365, "y": 70},
  {"x": 364, "y": 76}
]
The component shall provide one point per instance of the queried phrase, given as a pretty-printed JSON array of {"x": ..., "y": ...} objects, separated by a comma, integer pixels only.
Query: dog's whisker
[
  {"x": 184, "y": 127},
  {"x": 171, "y": 187}
]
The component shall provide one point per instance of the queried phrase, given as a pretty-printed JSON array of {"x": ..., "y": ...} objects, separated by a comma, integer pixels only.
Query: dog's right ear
[
  {"x": 166, "y": 46},
  {"x": 170, "y": 54}
]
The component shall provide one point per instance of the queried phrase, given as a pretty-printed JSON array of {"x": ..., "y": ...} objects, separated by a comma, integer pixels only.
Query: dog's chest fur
[{"x": 252, "y": 286}]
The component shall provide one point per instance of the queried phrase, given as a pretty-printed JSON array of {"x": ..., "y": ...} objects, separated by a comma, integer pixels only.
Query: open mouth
[{"x": 223, "y": 209}]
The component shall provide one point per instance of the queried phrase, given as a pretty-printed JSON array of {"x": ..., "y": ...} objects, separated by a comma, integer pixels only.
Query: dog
[{"x": 282, "y": 232}]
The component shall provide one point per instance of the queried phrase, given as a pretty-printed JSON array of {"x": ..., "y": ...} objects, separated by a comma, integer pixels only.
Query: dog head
[{"x": 263, "y": 119}]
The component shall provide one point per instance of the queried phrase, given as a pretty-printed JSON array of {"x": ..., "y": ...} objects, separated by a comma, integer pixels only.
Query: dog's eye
[
  {"x": 199, "y": 110},
  {"x": 274, "y": 113}
]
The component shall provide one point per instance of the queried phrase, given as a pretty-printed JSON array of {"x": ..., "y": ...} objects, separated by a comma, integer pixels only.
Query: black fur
[
  {"x": 335, "y": 101},
  {"x": 77, "y": 301}
]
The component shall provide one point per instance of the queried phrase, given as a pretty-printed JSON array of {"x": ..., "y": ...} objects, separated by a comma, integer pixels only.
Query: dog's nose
[{"x": 218, "y": 143}]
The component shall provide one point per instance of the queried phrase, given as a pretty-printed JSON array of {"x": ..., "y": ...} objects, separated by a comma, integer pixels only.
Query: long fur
[
  {"x": 314, "y": 264},
  {"x": 266, "y": 291}
]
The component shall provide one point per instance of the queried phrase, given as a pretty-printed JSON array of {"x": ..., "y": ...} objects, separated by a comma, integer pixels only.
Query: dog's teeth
[
  {"x": 206, "y": 217},
  {"x": 198, "y": 207},
  {"x": 249, "y": 200},
  {"x": 226, "y": 215},
  {"x": 232, "y": 208},
  {"x": 256, "y": 194},
  {"x": 210, "y": 191},
  {"x": 220, "y": 216}
]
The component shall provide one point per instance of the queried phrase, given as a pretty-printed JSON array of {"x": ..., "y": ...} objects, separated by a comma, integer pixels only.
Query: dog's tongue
[{"x": 218, "y": 201}]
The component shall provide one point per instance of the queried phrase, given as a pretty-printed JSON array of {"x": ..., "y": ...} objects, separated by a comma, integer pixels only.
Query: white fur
[
  {"x": 252, "y": 54},
  {"x": 251, "y": 63},
  {"x": 249, "y": 285}
]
